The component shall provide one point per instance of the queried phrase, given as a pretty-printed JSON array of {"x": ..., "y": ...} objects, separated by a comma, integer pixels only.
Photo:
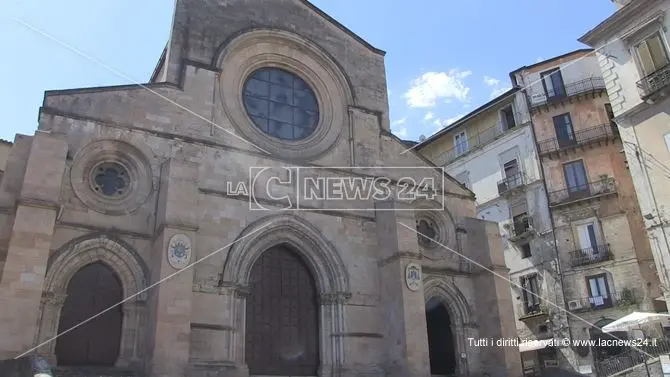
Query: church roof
[{"x": 343, "y": 28}]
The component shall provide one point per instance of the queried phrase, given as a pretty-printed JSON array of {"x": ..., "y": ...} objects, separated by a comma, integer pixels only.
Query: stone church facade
[{"x": 125, "y": 246}]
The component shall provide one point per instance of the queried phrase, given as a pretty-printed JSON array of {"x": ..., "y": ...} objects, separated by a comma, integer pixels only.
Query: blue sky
[{"x": 444, "y": 57}]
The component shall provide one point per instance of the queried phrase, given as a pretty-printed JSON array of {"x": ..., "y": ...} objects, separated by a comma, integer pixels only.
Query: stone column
[
  {"x": 52, "y": 304},
  {"x": 169, "y": 304},
  {"x": 405, "y": 323},
  {"x": 30, "y": 244},
  {"x": 129, "y": 356},
  {"x": 493, "y": 304}
]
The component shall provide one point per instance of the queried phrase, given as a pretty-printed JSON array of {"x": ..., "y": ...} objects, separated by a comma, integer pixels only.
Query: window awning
[{"x": 533, "y": 345}]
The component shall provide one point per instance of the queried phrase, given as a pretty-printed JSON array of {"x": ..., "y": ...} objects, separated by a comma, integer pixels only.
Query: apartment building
[
  {"x": 492, "y": 152},
  {"x": 633, "y": 55},
  {"x": 604, "y": 255}
]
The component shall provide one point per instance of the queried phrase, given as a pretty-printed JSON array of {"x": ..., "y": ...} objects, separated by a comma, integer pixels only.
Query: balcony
[
  {"x": 603, "y": 132},
  {"x": 630, "y": 357},
  {"x": 654, "y": 83},
  {"x": 475, "y": 142},
  {"x": 511, "y": 183},
  {"x": 527, "y": 312},
  {"x": 577, "y": 88},
  {"x": 591, "y": 190},
  {"x": 590, "y": 255},
  {"x": 624, "y": 299}
]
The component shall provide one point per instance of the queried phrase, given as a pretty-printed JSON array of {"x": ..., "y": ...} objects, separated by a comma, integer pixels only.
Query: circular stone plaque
[
  {"x": 413, "y": 277},
  {"x": 179, "y": 251}
]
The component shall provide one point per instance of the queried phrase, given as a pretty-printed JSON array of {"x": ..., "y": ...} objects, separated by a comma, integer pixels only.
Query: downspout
[{"x": 551, "y": 216}]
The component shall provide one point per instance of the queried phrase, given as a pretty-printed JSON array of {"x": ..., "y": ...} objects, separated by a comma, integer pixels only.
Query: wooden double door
[
  {"x": 282, "y": 316},
  {"x": 92, "y": 290}
]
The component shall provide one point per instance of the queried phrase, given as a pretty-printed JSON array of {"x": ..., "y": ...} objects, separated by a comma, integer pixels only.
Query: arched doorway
[
  {"x": 282, "y": 316},
  {"x": 440, "y": 340},
  {"x": 91, "y": 290}
]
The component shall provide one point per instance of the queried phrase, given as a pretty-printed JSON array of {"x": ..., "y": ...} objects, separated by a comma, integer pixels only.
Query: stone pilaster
[
  {"x": 405, "y": 323},
  {"x": 170, "y": 302},
  {"x": 26, "y": 264},
  {"x": 493, "y": 302}
]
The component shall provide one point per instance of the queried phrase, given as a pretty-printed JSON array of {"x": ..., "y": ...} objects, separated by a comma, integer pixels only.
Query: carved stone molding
[
  {"x": 53, "y": 299},
  {"x": 263, "y": 48},
  {"x": 334, "y": 298},
  {"x": 124, "y": 154}
]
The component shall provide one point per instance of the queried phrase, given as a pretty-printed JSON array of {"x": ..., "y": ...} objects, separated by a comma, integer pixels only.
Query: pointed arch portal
[
  {"x": 282, "y": 336},
  {"x": 92, "y": 290},
  {"x": 441, "y": 345},
  {"x": 84, "y": 277}
]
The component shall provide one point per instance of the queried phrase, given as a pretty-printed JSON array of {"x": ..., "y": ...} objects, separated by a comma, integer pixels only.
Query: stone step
[{"x": 93, "y": 371}]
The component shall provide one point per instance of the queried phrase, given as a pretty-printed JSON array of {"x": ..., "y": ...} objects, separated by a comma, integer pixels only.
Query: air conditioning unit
[{"x": 574, "y": 304}]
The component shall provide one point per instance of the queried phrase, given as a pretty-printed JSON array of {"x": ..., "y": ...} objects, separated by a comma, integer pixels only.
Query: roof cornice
[
  {"x": 487, "y": 106},
  {"x": 617, "y": 21}
]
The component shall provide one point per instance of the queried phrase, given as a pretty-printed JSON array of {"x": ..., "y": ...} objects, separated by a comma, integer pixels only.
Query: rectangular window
[
  {"x": 587, "y": 237},
  {"x": 575, "y": 179},
  {"x": 521, "y": 224},
  {"x": 589, "y": 250},
  {"x": 525, "y": 251},
  {"x": 461, "y": 143},
  {"x": 552, "y": 81},
  {"x": 599, "y": 293},
  {"x": 667, "y": 141},
  {"x": 531, "y": 292},
  {"x": 511, "y": 168},
  {"x": 564, "y": 130},
  {"x": 610, "y": 113},
  {"x": 652, "y": 54},
  {"x": 464, "y": 179},
  {"x": 507, "y": 115}
]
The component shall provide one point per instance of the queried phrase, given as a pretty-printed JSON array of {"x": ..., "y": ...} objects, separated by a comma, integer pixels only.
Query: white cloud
[
  {"x": 498, "y": 91},
  {"x": 388, "y": 93},
  {"x": 441, "y": 123},
  {"x": 399, "y": 122},
  {"x": 401, "y": 133},
  {"x": 430, "y": 86},
  {"x": 429, "y": 115},
  {"x": 539, "y": 59},
  {"x": 495, "y": 85},
  {"x": 490, "y": 81}
]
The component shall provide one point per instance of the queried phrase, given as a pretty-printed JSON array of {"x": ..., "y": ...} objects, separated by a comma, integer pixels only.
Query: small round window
[
  {"x": 281, "y": 104},
  {"x": 110, "y": 180}
]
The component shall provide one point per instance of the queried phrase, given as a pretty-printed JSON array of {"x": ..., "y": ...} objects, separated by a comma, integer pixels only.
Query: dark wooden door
[
  {"x": 282, "y": 317},
  {"x": 440, "y": 340},
  {"x": 91, "y": 290}
]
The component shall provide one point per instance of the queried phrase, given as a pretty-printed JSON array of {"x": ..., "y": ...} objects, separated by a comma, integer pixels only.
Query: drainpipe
[{"x": 551, "y": 217}]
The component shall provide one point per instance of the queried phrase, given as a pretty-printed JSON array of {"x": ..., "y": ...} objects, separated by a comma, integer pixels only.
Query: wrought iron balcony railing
[
  {"x": 526, "y": 311},
  {"x": 625, "y": 298},
  {"x": 511, "y": 182},
  {"x": 590, "y": 255},
  {"x": 654, "y": 82},
  {"x": 581, "y": 192},
  {"x": 592, "y": 84},
  {"x": 630, "y": 357},
  {"x": 591, "y": 134}
]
